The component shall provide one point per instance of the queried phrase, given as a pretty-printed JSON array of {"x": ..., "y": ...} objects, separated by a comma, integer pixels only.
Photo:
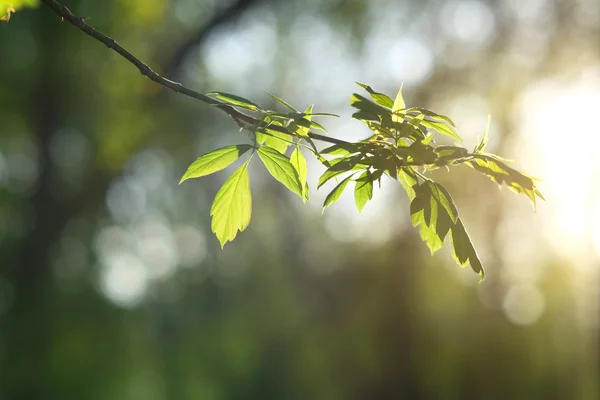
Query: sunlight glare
[{"x": 561, "y": 138}]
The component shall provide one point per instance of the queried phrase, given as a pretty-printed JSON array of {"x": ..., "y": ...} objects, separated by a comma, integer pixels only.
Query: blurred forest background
[{"x": 113, "y": 287}]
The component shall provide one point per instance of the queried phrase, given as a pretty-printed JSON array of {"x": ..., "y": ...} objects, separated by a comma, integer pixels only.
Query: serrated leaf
[
  {"x": 463, "y": 250},
  {"x": 363, "y": 190},
  {"x": 398, "y": 106},
  {"x": 236, "y": 100},
  {"x": 336, "y": 193},
  {"x": 232, "y": 207},
  {"x": 281, "y": 101},
  {"x": 501, "y": 173},
  {"x": 442, "y": 196},
  {"x": 299, "y": 163},
  {"x": 215, "y": 161},
  {"x": 280, "y": 167},
  {"x": 379, "y": 98}
]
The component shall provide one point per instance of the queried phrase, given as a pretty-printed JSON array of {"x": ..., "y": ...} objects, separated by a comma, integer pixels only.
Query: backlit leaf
[
  {"x": 283, "y": 102},
  {"x": 336, "y": 193},
  {"x": 236, "y": 100},
  {"x": 232, "y": 207},
  {"x": 363, "y": 190},
  {"x": 379, "y": 98},
  {"x": 281, "y": 169},
  {"x": 398, "y": 106},
  {"x": 464, "y": 252},
  {"x": 442, "y": 128},
  {"x": 215, "y": 161},
  {"x": 299, "y": 163}
]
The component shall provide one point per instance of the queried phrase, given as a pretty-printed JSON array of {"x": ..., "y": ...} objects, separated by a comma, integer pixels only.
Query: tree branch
[{"x": 239, "y": 117}]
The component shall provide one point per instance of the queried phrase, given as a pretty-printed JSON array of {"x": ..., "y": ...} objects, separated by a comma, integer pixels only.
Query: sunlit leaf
[
  {"x": 379, "y": 98},
  {"x": 274, "y": 139},
  {"x": 463, "y": 250},
  {"x": 303, "y": 130},
  {"x": 283, "y": 102},
  {"x": 480, "y": 147},
  {"x": 363, "y": 190},
  {"x": 215, "y": 161},
  {"x": 398, "y": 106},
  {"x": 281, "y": 169},
  {"x": 442, "y": 128},
  {"x": 299, "y": 163},
  {"x": 338, "y": 167},
  {"x": 433, "y": 115},
  {"x": 232, "y": 207},
  {"x": 236, "y": 100},
  {"x": 336, "y": 193}
]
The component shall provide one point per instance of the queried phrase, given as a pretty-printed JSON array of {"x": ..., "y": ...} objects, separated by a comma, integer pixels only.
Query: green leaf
[
  {"x": 480, "y": 146},
  {"x": 338, "y": 167},
  {"x": 442, "y": 128},
  {"x": 236, "y": 100},
  {"x": 215, "y": 161},
  {"x": 409, "y": 180},
  {"x": 433, "y": 211},
  {"x": 281, "y": 101},
  {"x": 499, "y": 172},
  {"x": 274, "y": 139},
  {"x": 464, "y": 252},
  {"x": 281, "y": 169},
  {"x": 363, "y": 190},
  {"x": 398, "y": 106},
  {"x": 316, "y": 125},
  {"x": 433, "y": 115},
  {"x": 299, "y": 163},
  {"x": 232, "y": 207},
  {"x": 303, "y": 130},
  {"x": 379, "y": 98},
  {"x": 367, "y": 109},
  {"x": 336, "y": 193}
]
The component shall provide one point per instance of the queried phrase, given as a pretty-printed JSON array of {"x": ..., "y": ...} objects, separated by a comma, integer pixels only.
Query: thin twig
[{"x": 239, "y": 117}]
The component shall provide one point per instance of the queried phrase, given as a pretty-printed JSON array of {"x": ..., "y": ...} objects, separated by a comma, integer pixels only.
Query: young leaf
[
  {"x": 274, "y": 139},
  {"x": 336, "y": 193},
  {"x": 215, "y": 161},
  {"x": 431, "y": 114},
  {"x": 280, "y": 167},
  {"x": 442, "y": 128},
  {"x": 303, "y": 130},
  {"x": 363, "y": 190},
  {"x": 232, "y": 207},
  {"x": 464, "y": 252},
  {"x": 299, "y": 163},
  {"x": 236, "y": 100},
  {"x": 281, "y": 101},
  {"x": 398, "y": 106},
  {"x": 379, "y": 98},
  {"x": 338, "y": 167},
  {"x": 480, "y": 147}
]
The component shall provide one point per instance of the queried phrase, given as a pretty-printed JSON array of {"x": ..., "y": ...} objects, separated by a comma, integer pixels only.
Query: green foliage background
[{"x": 90, "y": 157}]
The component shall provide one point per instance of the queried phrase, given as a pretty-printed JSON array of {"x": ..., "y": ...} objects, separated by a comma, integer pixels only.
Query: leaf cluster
[{"x": 401, "y": 146}]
